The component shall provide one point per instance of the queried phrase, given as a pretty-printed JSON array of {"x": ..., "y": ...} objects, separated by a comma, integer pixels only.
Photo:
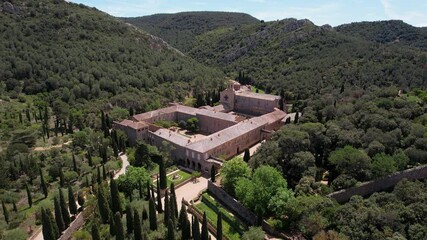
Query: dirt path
[
  {"x": 79, "y": 221},
  {"x": 54, "y": 146}
]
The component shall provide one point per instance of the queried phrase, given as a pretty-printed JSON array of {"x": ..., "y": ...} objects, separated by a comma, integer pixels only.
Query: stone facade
[{"x": 226, "y": 134}]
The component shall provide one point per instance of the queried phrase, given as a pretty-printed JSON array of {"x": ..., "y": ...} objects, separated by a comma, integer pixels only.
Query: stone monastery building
[{"x": 242, "y": 120}]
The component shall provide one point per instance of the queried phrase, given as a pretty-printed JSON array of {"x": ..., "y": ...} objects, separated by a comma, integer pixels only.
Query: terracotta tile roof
[
  {"x": 220, "y": 115},
  {"x": 172, "y": 136},
  {"x": 222, "y": 137},
  {"x": 132, "y": 124}
]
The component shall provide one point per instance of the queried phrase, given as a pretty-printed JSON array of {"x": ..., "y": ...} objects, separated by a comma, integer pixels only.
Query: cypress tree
[
  {"x": 144, "y": 214},
  {"x": 95, "y": 232},
  {"x": 166, "y": 214},
  {"x": 71, "y": 201},
  {"x": 137, "y": 226},
  {"x": 205, "y": 233},
  {"x": 153, "y": 217},
  {"x": 219, "y": 226},
  {"x": 187, "y": 235},
  {"x": 61, "y": 178},
  {"x": 103, "y": 205},
  {"x": 52, "y": 222},
  {"x": 172, "y": 209},
  {"x": 64, "y": 209},
  {"x": 159, "y": 198},
  {"x": 98, "y": 175},
  {"x": 120, "y": 233},
  {"x": 141, "y": 194},
  {"x": 29, "y": 197},
  {"x": 104, "y": 172},
  {"x": 162, "y": 173},
  {"x": 152, "y": 192},
  {"x": 43, "y": 184},
  {"x": 247, "y": 155},
  {"x": 5, "y": 212},
  {"x": 171, "y": 231},
  {"x": 213, "y": 173},
  {"x": 15, "y": 209},
  {"x": 116, "y": 205},
  {"x": 182, "y": 217},
  {"x": 75, "y": 164},
  {"x": 129, "y": 220},
  {"x": 87, "y": 181},
  {"x": 112, "y": 223},
  {"x": 48, "y": 228},
  {"x": 58, "y": 215},
  {"x": 173, "y": 199},
  {"x": 296, "y": 118},
  {"x": 89, "y": 158},
  {"x": 196, "y": 229}
]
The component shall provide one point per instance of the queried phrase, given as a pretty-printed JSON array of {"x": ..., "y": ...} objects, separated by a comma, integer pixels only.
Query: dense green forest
[
  {"x": 304, "y": 58},
  {"x": 393, "y": 31},
  {"x": 67, "y": 71},
  {"x": 181, "y": 29},
  {"x": 75, "y": 53}
]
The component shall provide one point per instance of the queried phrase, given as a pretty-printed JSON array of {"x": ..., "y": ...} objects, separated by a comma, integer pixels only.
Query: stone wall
[
  {"x": 232, "y": 204},
  {"x": 381, "y": 184}
]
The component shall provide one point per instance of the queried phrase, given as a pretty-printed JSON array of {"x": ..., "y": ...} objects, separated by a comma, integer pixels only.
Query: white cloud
[{"x": 415, "y": 17}]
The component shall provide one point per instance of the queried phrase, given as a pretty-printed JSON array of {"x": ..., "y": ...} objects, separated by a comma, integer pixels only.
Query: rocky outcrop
[{"x": 8, "y": 8}]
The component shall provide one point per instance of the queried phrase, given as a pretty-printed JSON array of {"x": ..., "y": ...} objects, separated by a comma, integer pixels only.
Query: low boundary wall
[
  {"x": 381, "y": 184},
  {"x": 246, "y": 215}
]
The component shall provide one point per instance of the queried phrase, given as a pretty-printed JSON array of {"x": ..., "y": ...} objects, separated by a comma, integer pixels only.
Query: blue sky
[{"x": 333, "y": 12}]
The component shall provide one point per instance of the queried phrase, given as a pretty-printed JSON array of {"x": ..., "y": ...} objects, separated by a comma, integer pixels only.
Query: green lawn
[
  {"x": 181, "y": 177},
  {"x": 232, "y": 229},
  {"x": 253, "y": 88}
]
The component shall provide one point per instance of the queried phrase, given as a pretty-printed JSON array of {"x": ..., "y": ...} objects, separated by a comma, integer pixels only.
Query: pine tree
[
  {"x": 75, "y": 164},
  {"x": 61, "y": 178},
  {"x": 120, "y": 233},
  {"x": 153, "y": 217},
  {"x": 64, "y": 209},
  {"x": 43, "y": 184},
  {"x": 166, "y": 214},
  {"x": 196, "y": 229},
  {"x": 71, "y": 201},
  {"x": 5, "y": 212},
  {"x": 116, "y": 205},
  {"x": 159, "y": 198},
  {"x": 103, "y": 205},
  {"x": 205, "y": 233},
  {"x": 129, "y": 220},
  {"x": 219, "y": 226},
  {"x": 173, "y": 199},
  {"x": 171, "y": 231},
  {"x": 137, "y": 226},
  {"x": 95, "y": 232},
  {"x": 48, "y": 228},
  {"x": 162, "y": 173},
  {"x": 29, "y": 197},
  {"x": 247, "y": 155},
  {"x": 213, "y": 173},
  {"x": 58, "y": 215}
]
